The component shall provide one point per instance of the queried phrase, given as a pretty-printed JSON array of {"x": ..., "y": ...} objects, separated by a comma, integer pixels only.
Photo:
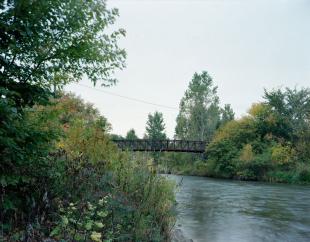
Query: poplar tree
[
  {"x": 199, "y": 113},
  {"x": 155, "y": 126}
]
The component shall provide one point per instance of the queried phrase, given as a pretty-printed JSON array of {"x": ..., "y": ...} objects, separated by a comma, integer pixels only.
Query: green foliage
[
  {"x": 139, "y": 197},
  {"x": 84, "y": 222},
  {"x": 155, "y": 126},
  {"x": 292, "y": 108},
  {"x": 199, "y": 109},
  {"x": 152, "y": 203},
  {"x": 199, "y": 117},
  {"x": 61, "y": 152},
  {"x": 281, "y": 155},
  {"x": 46, "y": 43},
  {"x": 227, "y": 114},
  {"x": 131, "y": 135},
  {"x": 155, "y": 130},
  {"x": 182, "y": 163},
  {"x": 267, "y": 144},
  {"x": 138, "y": 203},
  {"x": 246, "y": 154},
  {"x": 116, "y": 137},
  {"x": 303, "y": 172},
  {"x": 26, "y": 170},
  {"x": 221, "y": 155},
  {"x": 100, "y": 220}
]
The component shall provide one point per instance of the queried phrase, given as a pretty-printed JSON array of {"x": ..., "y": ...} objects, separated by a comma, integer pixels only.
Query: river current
[{"x": 215, "y": 210}]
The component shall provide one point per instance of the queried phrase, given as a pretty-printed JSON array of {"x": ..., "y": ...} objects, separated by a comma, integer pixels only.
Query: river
[{"x": 214, "y": 210}]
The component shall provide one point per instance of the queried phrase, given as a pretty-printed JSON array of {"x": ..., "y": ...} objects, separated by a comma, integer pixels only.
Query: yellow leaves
[
  {"x": 281, "y": 155},
  {"x": 60, "y": 145},
  {"x": 95, "y": 236},
  {"x": 257, "y": 109},
  {"x": 233, "y": 129},
  {"x": 263, "y": 112},
  {"x": 247, "y": 154}
]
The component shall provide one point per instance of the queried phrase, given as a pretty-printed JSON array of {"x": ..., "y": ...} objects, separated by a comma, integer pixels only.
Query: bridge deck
[{"x": 162, "y": 145}]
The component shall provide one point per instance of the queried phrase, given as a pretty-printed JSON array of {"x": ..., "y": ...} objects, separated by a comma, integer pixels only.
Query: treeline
[
  {"x": 269, "y": 143},
  {"x": 61, "y": 178}
]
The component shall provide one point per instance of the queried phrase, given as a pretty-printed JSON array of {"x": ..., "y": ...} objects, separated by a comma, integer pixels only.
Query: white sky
[{"x": 245, "y": 45}]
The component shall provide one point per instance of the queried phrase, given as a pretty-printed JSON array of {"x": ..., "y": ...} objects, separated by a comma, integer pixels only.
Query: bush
[
  {"x": 141, "y": 201},
  {"x": 26, "y": 171},
  {"x": 138, "y": 204},
  {"x": 222, "y": 154},
  {"x": 303, "y": 172},
  {"x": 281, "y": 155}
]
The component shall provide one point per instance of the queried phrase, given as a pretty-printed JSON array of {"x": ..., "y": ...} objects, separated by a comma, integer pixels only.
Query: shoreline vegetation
[
  {"x": 83, "y": 188},
  {"x": 270, "y": 143},
  {"x": 61, "y": 177}
]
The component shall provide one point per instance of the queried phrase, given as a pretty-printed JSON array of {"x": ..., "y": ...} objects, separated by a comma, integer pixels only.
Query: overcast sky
[{"x": 245, "y": 45}]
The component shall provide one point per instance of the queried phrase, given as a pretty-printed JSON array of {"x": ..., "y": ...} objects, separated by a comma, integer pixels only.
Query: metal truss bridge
[{"x": 162, "y": 145}]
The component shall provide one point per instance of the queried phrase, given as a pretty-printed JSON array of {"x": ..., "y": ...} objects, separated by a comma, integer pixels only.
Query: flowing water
[{"x": 215, "y": 210}]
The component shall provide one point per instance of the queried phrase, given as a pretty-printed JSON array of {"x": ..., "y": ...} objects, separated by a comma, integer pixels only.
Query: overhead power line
[{"x": 128, "y": 98}]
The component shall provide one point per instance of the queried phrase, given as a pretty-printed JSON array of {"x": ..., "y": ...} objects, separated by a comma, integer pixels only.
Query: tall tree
[
  {"x": 131, "y": 134},
  {"x": 155, "y": 126},
  {"x": 199, "y": 113},
  {"x": 292, "y": 106},
  {"x": 46, "y": 44}
]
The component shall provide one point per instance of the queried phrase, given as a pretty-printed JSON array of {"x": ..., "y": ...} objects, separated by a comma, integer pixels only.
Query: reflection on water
[{"x": 223, "y": 210}]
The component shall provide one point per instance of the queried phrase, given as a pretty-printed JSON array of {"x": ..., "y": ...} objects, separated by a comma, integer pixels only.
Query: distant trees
[
  {"x": 131, "y": 135},
  {"x": 155, "y": 130},
  {"x": 227, "y": 114},
  {"x": 155, "y": 127},
  {"x": 200, "y": 113}
]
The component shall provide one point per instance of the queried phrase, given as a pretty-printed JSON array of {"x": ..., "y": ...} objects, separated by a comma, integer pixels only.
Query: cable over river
[{"x": 214, "y": 210}]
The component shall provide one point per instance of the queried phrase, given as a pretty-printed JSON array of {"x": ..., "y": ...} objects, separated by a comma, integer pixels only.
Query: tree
[
  {"x": 155, "y": 127},
  {"x": 49, "y": 43},
  {"x": 290, "y": 110},
  {"x": 199, "y": 113},
  {"x": 45, "y": 44},
  {"x": 227, "y": 114},
  {"x": 131, "y": 134},
  {"x": 291, "y": 107}
]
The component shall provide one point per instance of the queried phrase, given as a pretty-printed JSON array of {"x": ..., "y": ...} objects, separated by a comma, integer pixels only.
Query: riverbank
[
  {"x": 73, "y": 184},
  {"x": 300, "y": 175}
]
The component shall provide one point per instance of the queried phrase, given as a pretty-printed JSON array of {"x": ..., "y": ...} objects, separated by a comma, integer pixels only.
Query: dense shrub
[
  {"x": 26, "y": 174},
  {"x": 76, "y": 185},
  {"x": 267, "y": 144}
]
